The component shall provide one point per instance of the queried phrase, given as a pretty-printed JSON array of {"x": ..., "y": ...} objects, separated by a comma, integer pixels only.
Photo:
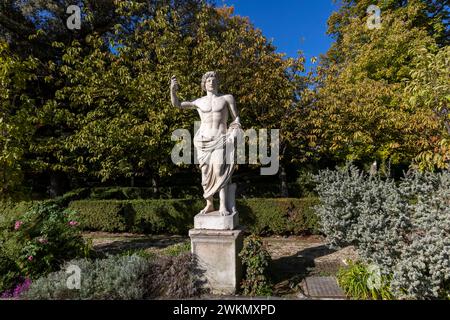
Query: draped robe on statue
[{"x": 216, "y": 159}]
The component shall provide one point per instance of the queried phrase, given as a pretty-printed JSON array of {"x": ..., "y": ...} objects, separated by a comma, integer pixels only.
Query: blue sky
[{"x": 292, "y": 24}]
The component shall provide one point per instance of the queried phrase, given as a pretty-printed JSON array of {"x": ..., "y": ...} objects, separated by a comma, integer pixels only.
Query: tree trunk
[{"x": 284, "y": 186}]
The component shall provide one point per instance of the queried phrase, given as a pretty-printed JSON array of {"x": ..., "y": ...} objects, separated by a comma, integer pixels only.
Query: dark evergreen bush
[{"x": 255, "y": 260}]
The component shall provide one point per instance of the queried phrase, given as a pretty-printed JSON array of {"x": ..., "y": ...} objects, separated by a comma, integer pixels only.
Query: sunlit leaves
[{"x": 378, "y": 91}]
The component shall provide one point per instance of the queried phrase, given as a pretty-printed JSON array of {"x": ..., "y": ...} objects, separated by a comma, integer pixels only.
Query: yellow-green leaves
[{"x": 380, "y": 91}]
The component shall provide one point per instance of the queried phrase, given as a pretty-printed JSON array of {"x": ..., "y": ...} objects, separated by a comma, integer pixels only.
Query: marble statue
[{"x": 214, "y": 141}]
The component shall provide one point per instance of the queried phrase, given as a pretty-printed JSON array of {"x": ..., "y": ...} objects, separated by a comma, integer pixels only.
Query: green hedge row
[
  {"x": 260, "y": 216},
  {"x": 11, "y": 209}
]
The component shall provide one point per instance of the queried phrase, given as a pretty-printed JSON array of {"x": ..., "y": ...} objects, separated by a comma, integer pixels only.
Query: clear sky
[{"x": 292, "y": 24}]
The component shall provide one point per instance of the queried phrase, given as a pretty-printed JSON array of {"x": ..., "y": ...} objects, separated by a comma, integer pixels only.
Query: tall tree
[
  {"x": 112, "y": 109},
  {"x": 16, "y": 118},
  {"x": 360, "y": 109}
]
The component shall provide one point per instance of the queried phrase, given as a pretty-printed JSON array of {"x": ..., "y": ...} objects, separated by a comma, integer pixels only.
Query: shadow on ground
[
  {"x": 115, "y": 246},
  {"x": 287, "y": 272}
]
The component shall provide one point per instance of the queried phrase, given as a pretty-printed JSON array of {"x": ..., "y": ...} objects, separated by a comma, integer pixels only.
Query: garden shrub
[
  {"x": 175, "y": 277},
  {"x": 121, "y": 277},
  {"x": 14, "y": 293},
  {"x": 9, "y": 209},
  {"x": 37, "y": 242},
  {"x": 77, "y": 194},
  {"x": 116, "y": 277},
  {"x": 261, "y": 216},
  {"x": 255, "y": 261},
  {"x": 9, "y": 272},
  {"x": 355, "y": 278},
  {"x": 279, "y": 216},
  {"x": 403, "y": 227},
  {"x": 164, "y": 216},
  {"x": 108, "y": 216},
  {"x": 305, "y": 186}
]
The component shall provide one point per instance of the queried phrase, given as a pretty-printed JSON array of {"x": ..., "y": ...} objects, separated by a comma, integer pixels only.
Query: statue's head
[{"x": 210, "y": 82}]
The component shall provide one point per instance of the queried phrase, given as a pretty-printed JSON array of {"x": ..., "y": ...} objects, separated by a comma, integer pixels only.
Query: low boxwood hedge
[
  {"x": 260, "y": 216},
  {"x": 10, "y": 210}
]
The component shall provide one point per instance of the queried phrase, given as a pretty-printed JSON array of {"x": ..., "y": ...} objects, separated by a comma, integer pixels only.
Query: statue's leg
[
  {"x": 209, "y": 201},
  {"x": 223, "y": 195},
  {"x": 232, "y": 198},
  {"x": 209, "y": 206}
]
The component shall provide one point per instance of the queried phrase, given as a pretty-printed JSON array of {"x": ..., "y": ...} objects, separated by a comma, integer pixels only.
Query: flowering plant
[
  {"x": 17, "y": 291},
  {"x": 37, "y": 243}
]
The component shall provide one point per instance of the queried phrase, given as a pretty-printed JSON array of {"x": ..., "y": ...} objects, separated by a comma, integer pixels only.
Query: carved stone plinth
[{"x": 216, "y": 253}]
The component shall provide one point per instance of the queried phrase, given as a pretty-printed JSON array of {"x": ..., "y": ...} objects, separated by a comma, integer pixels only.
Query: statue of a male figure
[{"x": 214, "y": 142}]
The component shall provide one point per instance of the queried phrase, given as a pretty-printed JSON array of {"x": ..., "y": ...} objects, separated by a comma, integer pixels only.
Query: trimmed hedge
[
  {"x": 10, "y": 210},
  {"x": 260, "y": 216},
  {"x": 109, "y": 216},
  {"x": 281, "y": 216}
]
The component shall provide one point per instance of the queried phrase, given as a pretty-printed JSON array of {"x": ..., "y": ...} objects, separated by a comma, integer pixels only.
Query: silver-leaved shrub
[{"x": 402, "y": 227}]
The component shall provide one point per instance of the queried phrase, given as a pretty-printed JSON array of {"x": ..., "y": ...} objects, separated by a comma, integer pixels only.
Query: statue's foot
[
  {"x": 207, "y": 209},
  {"x": 224, "y": 213}
]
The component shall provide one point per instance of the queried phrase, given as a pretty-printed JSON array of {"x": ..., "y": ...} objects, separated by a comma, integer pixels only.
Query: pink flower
[
  {"x": 73, "y": 223},
  {"x": 30, "y": 258},
  {"x": 43, "y": 240},
  {"x": 17, "y": 225}
]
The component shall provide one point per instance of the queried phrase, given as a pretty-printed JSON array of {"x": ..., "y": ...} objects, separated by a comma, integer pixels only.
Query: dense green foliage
[
  {"x": 381, "y": 94},
  {"x": 279, "y": 216},
  {"x": 102, "y": 110},
  {"x": 16, "y": 126},
  {"x": 403, "y": 228},
  {"x": 304, "y": 187},
  {"x": 93, "y": 105},
  {"x": 256, "y": 261},
  {"x": 261, "y": 216},
  {"x": 355, "y": 281},
  {"x": 36, "y": 242}
]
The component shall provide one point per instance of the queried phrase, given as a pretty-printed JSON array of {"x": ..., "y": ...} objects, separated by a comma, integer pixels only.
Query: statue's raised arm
[{"x": 174, "y": 97}]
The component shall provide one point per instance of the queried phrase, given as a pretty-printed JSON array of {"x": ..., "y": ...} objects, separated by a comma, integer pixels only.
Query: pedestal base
[
  {"x": 216, "y": 253},
  {"x": 215, "y": 221}
]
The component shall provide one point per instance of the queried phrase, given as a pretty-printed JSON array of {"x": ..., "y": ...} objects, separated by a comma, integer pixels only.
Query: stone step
[{"x": 323, "y": 288}]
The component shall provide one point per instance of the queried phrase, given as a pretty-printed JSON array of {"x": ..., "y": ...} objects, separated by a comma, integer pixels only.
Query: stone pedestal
[
  {"x": 214, "y": 221},
  {"x": 216, "y": 252}
]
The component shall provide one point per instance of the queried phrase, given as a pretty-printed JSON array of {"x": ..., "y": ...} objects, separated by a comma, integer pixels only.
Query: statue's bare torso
[{"x": 214, "y": 114}]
